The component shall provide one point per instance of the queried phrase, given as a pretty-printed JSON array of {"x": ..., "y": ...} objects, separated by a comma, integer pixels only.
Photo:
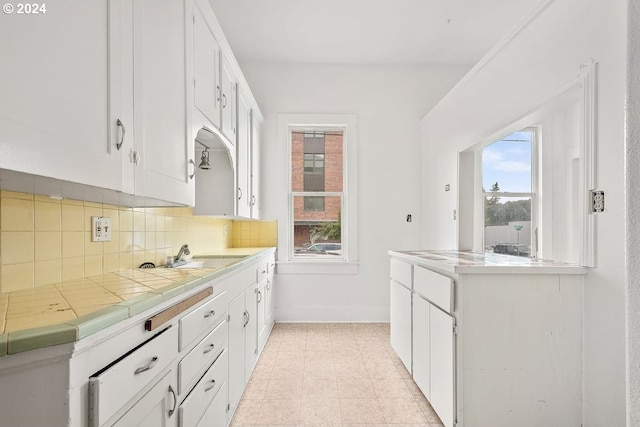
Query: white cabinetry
[
  {"x": 255, "y": 201},
  {"x": 54, "y": 115},
  {"x": 400, "y": 310},
  {"x": 162, "y": 146},
  {"x": 487, "y": 343},
  {"x": 229, "y": 93},
  {"x": 103, "y": 102},
  {"x": 206, "y": 69},
  {"x": 243, "y": 170},
  {"x": 154, "y": 409}
]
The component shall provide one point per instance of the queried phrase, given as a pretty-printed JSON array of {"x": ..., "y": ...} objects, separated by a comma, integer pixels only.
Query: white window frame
[
  {"x": 348, "y": 262},
  {"x": 535, "y": 144}
]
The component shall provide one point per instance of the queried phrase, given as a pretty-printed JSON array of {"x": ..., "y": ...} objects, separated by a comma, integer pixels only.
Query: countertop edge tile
[
  {"x": 3, "y": 344},
  {"x": 45, "y": 336},
  {"x": 140, "y": 303},
  {"x": 98, "y": 320},
  {"x": 170, "y": 291}
]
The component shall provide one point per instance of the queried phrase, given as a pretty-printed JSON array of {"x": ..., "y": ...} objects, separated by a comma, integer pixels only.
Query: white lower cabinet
[
  {"x": 422, "y": 345},
  {"x": 400, "y": 315},
  {"x": 216, "y": 413},
  {"x": 154, "y": 409},
  {"x": 486, "y": 346},
  {"x": 195, "y": 405},
  {"x": 442, "y": 358},
  {"x": 243, "y": 342}
]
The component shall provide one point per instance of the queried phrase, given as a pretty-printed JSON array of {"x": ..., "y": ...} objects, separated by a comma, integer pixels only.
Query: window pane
[
  {"x": 506, "y": 164},
  {"x": 317, "y": 232},
  {"x": 317, "y": 153},
  {"x": 507, "y": 225}
]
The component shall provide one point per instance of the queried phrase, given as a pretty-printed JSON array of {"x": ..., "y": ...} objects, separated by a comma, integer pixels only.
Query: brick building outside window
[{"x": 317, "y": 179}]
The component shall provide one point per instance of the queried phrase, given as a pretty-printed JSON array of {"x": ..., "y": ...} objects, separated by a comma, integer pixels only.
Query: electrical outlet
[
  {"x": 597, "y": 201},
  {"x": 100, "y": 229},
  {"x": 225, "y": 230}
]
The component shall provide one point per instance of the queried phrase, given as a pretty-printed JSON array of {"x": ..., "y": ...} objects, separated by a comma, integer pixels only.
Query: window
[
  {"x": 508, "y": 182},
  {"x": 317, "y": 179},
  {"x": 318, "y": 232}
]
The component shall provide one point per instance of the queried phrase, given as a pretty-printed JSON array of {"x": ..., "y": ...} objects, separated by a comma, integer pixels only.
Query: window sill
[{"x": 317, "y": 267}]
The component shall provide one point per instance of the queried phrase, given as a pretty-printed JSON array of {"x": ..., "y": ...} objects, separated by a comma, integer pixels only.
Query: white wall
[
  {"x": 389, "y": 102},
  {"x": 536, "y": 63},
  {"x": 633, "y": 215}
]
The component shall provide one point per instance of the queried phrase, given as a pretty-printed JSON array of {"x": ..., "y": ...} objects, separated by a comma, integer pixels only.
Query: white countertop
[{"x": 461, "y": 262}]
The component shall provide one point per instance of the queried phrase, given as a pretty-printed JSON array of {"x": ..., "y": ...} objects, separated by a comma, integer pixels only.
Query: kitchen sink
[{"x": 219, "y": 262}]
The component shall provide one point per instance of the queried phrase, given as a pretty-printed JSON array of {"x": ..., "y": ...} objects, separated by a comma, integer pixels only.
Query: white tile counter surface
[{"x": 479, "y": 262}]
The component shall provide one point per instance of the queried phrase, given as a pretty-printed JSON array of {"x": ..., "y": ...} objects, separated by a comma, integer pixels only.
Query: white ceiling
[{"x": 367, "y": 31}]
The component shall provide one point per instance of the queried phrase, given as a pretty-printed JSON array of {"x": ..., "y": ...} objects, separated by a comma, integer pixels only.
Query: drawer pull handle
[
  {"x": 209, "y": 349},
  {"x": 209, "y": 387},
  {"x": 175, "y": 401},
  {"x": 210, "y": 314},
  {"x": 259, "y": 297},
  {"x": 246, "y": 318},
  {"x": 149, "y": 365}
]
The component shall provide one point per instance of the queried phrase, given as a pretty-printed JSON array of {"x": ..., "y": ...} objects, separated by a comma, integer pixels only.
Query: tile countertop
[
  {"x": 70, "y": 310},
  {"x": 461, "y": 262}
]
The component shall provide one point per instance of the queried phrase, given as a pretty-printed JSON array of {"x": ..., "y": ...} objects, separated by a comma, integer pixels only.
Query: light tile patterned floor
[{"x": 345, "y": 374}]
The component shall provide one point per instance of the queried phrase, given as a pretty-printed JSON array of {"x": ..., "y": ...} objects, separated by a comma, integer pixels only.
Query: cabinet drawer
[
  {"x": 201, "y": 319},
  {"x": 202, "y": 395},
  {"x": 261, "y": 272},
  {"x": 216, "y": 415},
  {"x": 111, "y": 389},
  {"x": 201, "y": 356},
  {"x": 401, "y": 272},
  {"x": 435, "y": 287}
]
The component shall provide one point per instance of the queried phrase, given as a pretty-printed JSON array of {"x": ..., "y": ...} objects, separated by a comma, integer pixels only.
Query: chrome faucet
[{"x": 184, "y": 250}]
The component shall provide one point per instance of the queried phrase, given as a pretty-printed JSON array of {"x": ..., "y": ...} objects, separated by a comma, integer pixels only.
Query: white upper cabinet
[
  {"x": 206, "y": 70},
  {"x": 95, "y": 93},
  {"x": 255, "y": 165},
  {"x": 243, "y": 169},
  {"x": 229, "y": 93},
  {"x": 54, "y": 81},
  {"x": 163, "y": 147}
]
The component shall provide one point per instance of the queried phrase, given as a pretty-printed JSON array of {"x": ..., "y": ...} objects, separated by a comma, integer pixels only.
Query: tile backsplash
[{"x": 45, "y": 240}]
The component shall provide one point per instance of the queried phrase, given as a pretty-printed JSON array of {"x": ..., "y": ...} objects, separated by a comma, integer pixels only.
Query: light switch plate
[{"x": 100, "y": 229}]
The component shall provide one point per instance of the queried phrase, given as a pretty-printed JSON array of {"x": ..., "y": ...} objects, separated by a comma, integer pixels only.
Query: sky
[{"x": 508, "y": 162}]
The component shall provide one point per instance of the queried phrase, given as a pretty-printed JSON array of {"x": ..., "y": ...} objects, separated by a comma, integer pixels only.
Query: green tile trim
[
  {"x": 101, "y": 319},
  {"x": 169, "y": 291},
  {"x": 3, "y": 345},
  {"x": 46, "y": 336},
  {"x": 137, "y": 305}
]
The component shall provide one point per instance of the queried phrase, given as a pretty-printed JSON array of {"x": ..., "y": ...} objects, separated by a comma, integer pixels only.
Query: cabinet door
[
  {"x": 251, "y": 329},
  {"x": 262, "y": 315},
  {"x": 400, "y": 317},
  {"x": 154, "y": 409},
  {"x": 162, "y": 137},
  {"x": 243, "y": 160},
  {"x": 237, "y": 318},
  {"x": 442, "y": 365},
  {"x": 421, "y": 345},
  {"x": 228, "y": 103},
  {"x": 255, "y": 167},
  {"x": 206, "y": 70},
  {"x": 54, "y": 114}
]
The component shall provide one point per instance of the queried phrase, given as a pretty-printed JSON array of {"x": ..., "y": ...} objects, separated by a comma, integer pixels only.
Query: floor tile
[
  {"x": 317, "y": 388},
  {"x": 247, "y": 412},
  {"x": 284, "y": 388},
  {"x": 391, "y": 388},
  {"x": 279, "y": 411},
  {"x": 361, "y": 411},
  {"x": 355, "y": 388},
  {"x": 402, "y": 411},
  {"x": 320, "y": 412}
]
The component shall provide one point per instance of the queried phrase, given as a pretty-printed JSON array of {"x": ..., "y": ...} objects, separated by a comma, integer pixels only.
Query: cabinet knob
[{"x": 210, "y": 313}]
